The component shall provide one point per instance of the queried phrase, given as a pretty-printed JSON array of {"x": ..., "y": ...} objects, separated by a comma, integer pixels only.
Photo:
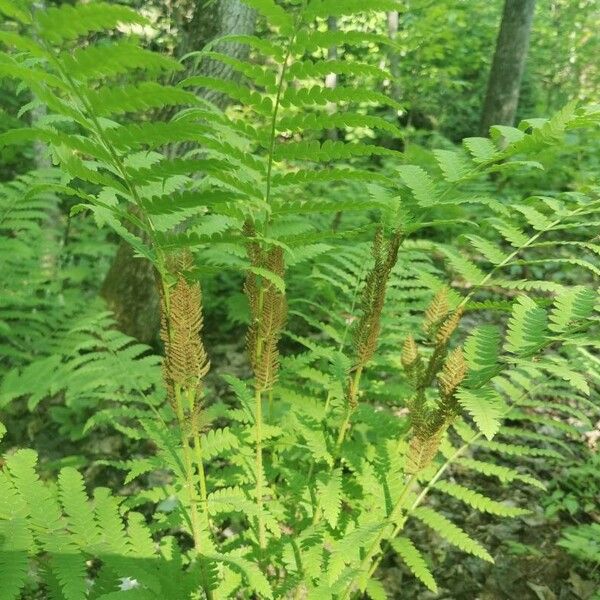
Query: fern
[
  {"x": 486, "y": 408},
  {"x": 451, "y": 533},
  {"x": 479, "y": 501},
  {"x": 309, "y": 467},
  {"x": 415, "y": 561}
]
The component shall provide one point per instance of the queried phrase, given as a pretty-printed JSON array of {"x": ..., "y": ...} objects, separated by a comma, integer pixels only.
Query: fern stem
[
  {"x": 189, "y": 471},
  {"x": 276, "y": 105},
  {"x": 270, "y": 405},
  {"x": 374, "y": 547},
  {"x": 259, "y": 469},
  {"x": 352, "y": 393},
  {"x": 199, "y": 460},
  {"x": 190, "y": 485}
]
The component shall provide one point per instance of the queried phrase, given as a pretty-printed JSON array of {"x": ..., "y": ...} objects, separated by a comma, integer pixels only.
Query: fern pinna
[{"x": 306, "y": 498}]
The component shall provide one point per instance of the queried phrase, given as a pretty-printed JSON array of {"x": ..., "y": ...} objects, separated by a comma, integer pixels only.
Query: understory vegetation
[{"x": 371, "y": 367}]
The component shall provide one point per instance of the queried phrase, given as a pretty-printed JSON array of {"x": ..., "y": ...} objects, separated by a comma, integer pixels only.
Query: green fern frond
[
  {"x": 486, "y": 407},
  {"x": 15, "y": 547},
  {"x": 526, "y": 327},
  {"x": 479, "y": 501},
  {"x": 68, "y": 22},
  {"x": 218, "y": 441},
  {"x": 451, "y": 532},
  {"x": 482, "y": 150},
  {"x": 110, "y": 101},
  {"x": 77, "y": 508},
  {"x": 107, "y": 61},
  {"x": 518, "y": 449},
  {"x": 453, "y": 165},
  {"x": 255, "y": 579},
  {"x": 330, "y": 494},
  {"x": 276, "y": 15},
  {"x": 482, "y": 349},
  {"x": 571, "y": 307},
  {"x": 415, "y": 561},
  {"x": 346, "y": 119},
  {"x": 503, "y": 474}
]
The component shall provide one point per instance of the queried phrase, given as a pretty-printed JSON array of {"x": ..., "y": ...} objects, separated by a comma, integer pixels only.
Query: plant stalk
[
  {"x": 259, "y": 470},
  {"x": 189, "y": 472}
]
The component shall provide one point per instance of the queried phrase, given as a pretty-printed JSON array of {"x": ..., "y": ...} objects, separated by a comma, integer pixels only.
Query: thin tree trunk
[
  {"x": 129, "y": 287},
  {"x": 331, "y": 79},
  {"x": 393, "y": 56},
  {"x": 504, "y": 84}
]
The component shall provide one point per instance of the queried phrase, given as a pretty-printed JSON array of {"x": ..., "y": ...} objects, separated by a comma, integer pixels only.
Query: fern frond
[
  {"x": 451, "y": 532},
  {"x": 503, "y": 474},
  {"x": 119, "y": 58},
  {"x": 518, "y": 449},
  {"x": 420, "y": 184},
  {"x": 218, "y": 441},
  {"x": 110, "y": 101},
  {"x": 482, "y": 149},
  {"x": 479, "y": 501},
  {"x": 486, "y": 407},
  {"x": 571, "y": 307},
  {"x": 16, "y": 544},
  {"x": 482, "y": 349},
  {"x": 526, "y": 327},
  {"x": 330, "y": 493},
  {"x": 67, "y": 22},
  {"x": 77, "y": 508},
  {"x": 256, "y": 580},
  {"x": 414, "y": 561}
]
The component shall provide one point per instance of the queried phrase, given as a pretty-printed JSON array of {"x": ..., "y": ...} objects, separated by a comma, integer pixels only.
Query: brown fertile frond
[
  {"x": 186, "y": 361},
  {"x": 268, "y": 309},
  {"x": 442, "y": 338},
  {"x": 411, "y": 360},
  {"x": 185, "y": 356},
  {"x": 422, "y": 451},
  {"x": 410, "y": 352},
  {"x": 448, "y": 327},
  {"x": 366, "y": 331},
  {"x": 251, "y": 289},
  {"x": 252, "y": 246},
  {"x": 436, "y": 311},
  {"x": 453, "y": 373},
  {"x": 181, "y": 262},
  {"x": 195, "y": 422},
  {"x": 428, "y": 424},
  {"x": 272, "y": 321},
  {"x": 165, "y": 338}
]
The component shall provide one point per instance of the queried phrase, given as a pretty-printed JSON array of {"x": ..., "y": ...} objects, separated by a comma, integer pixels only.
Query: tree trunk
[
  {"x": 393, "y": 19},
  {"x": 504, "y": 84},
  {"x": 129, "y": 287},
  {"x": 331, "y": 79},
  {"x": 228, "y": 17}
]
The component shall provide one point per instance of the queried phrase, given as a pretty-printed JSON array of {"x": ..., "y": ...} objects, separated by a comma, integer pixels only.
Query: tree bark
[
  {"x": 331, "y": 79},
  {"x": 393, "y": 19},
  {"x": 504, "y": 84},
  {"x": 129, "y": 288}
]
